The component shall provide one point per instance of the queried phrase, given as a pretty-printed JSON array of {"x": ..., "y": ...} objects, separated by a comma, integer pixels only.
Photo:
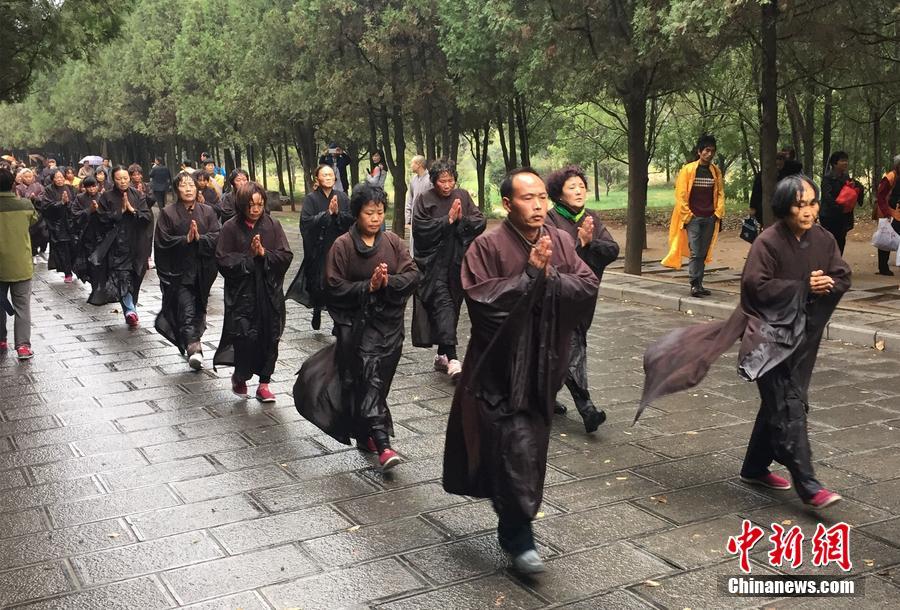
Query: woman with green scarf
[{"x": 568, "y": 189}]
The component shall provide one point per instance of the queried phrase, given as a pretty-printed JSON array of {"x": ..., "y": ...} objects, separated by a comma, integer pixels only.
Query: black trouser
[
  {"x": 191, "y": 316},
  {"x": 250, "y": 355},
  {"x": 884, "y": 256},
  {"x": 780, "y": 433},
  {"x": 447, "y": 350},
  {"x": 577, "y": 380},
  {"x": 837, "y": 227},
  {"x": 160, "y": 197},
  {"x": 515, "y": 534}
]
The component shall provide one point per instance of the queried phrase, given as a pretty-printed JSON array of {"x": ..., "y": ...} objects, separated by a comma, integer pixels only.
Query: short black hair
[
  {"x": 244, "y": 196},
  {"x": 704, "y": 141},
  {"x": 89, "y": 181},
  {"x": 557, "y": 179},
  {"x": 440, "y": 166},
  {"x": 118, "y": 168},
  {"x": 506, "y": 187},
  {"x": 363, "y": 193},
  {"x": 7, "y": 179},
  {"x": 837, "y": 156},
  {"x": 235, "y": 173},
  {"x": 181, "y": 177},
  {"x": 200, "y": 174},
  {"x": 786, "y": 192}
]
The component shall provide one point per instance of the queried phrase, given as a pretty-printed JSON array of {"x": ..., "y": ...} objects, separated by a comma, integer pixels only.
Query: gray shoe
[{"x": 529, "y": 562}]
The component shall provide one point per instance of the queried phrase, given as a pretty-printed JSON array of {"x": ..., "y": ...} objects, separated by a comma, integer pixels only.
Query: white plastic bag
[{"x": 884, "y": 237}]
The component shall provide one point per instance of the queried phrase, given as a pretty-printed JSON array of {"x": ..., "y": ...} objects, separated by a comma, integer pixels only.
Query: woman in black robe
[
  {"x": 253, "y": 255},
  {"x": 793, "y": 279},
  {"x": 225, "y": 207},
  {"x": 185, "y": 250},
  {"x": 445, "y": 221},
  {"x": 103, "y": 180},
  {"x": 325, "y": 217},
  {"x": 596, "y": 247},
  {"x": 119, "y": 261},
  {"x": 56, "y": 210},
  {"x": 86, "y": 227},
  {"x": 369, "y": 276},
  {"x": 206, "y": 193}
]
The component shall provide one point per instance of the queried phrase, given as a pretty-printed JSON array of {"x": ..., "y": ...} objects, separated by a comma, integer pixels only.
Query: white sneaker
[
  {"x": 35, "y": 260},
  {"x": 151, "y": 264},
  {"x": 440, "y": 363},
  {"x": 196, "y": 361},
  {"x": 454, "y": 369}
]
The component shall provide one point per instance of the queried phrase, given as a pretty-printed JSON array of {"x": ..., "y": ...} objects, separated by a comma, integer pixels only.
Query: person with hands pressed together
[
  {"x": 792, "y": 281},
  {"x": 445, "y": 221},
  {"x": 526, "y": 291},
  {"x": 185, "y": 251},
  {"x": 56, "y": 210},
  {"x": 118, "y": 258},
  {"x": 369, "y": 276},
  {"x": 595, "y": 245},
  {"x": 253, "y": 255},
  {"x": 325, "y": 216}
]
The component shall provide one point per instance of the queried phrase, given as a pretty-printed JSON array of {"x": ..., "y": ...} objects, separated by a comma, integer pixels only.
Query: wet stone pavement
[{"x": 127, "y": 481}]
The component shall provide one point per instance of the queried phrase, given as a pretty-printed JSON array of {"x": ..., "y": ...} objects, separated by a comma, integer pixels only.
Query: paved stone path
[{"x": 129, "y": 482}]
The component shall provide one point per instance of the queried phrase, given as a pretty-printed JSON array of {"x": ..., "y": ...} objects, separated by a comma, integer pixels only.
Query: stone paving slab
[{"x": 128, "y": 481}]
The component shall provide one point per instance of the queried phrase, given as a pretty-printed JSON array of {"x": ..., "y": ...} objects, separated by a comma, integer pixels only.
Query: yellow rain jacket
[{"x": 681, "y": 214}]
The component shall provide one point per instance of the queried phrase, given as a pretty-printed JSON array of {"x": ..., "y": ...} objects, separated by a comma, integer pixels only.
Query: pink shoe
[
  {"x": 822, "y": 499},
  {"x": 131, "y": 319},
  {"x": 388, "y": 459},
  {"x": 770, "y": 480},
  {"x": 24, "y": 352},
  {"x": 263, "y": 394},
  {"x": 4, "y": 345},
  {"x": 239, "y": 387},
  {"x": 68, "y": 279},
  {"x": 368, "y": 447}
]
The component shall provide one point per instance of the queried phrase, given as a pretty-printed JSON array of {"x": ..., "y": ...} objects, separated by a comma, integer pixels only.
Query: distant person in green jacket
[{"x": 16, "y": 267}]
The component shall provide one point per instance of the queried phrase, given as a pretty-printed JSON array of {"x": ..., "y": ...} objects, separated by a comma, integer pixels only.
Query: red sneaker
[
  {"x": 239, "y": 387},
  {"x": 388, "y": 459},
  {"x": 131, "y": 319},
  {"x": 4, "y": 345},
  {"x": 368, "y": 446},
  {"x": 822, "y": 499},
  {"x": 24, "y": 352},
  {"x": 263, "y": 394},
  {"x": 68, "y": 279},
  {"x": 770, "y": 480}
]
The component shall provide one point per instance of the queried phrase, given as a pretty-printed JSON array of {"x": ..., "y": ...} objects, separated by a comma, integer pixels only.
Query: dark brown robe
[
  {"x": 522, "y": 320},
  {"x": 778, "y": 317},
  {"x": 186, "y": 271},
  {"x": 254, "y": 295},
  {"x": 440, "y": 247},
  {"x": 343, "y": 388},
  {"x": 59, "y": 218}
]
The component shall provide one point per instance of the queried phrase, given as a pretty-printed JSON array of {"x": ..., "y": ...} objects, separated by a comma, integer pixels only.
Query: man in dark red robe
[
  {"x": 526, "y": 289},
  {"x": 793, "y": 279}
]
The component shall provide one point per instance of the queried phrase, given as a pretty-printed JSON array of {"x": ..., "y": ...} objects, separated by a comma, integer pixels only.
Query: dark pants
[
  {"x": 250, "y": 355},
  {"x": 577, "y": 381},
  {"x": 191, "y": 316},
  {"x": 160, "y": 197},
  {"x": 447, "y": 350},
  {"x": 838, "y": 228},
  {"x": 700, "y": 232},
  {"x": 780, "y": 433},
  {"x": 515, "y": 535}
]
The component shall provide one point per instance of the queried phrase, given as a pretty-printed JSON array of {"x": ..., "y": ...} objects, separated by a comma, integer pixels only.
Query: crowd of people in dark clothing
[{"x": 530, "y": 286}]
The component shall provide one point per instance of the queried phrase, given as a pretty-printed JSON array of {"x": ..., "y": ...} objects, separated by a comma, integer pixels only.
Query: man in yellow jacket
[{"x": 698, "y": 212}]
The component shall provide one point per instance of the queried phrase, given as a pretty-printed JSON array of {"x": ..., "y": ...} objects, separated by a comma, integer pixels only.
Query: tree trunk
[
  {"x": 230, "y": 165},
  {"x": 237, "y": 155},
  {"x": 503, "y": 147},
  {"x": 768, "y": 125},
  {"x": 876, "y": 154},
  {"x": 417, "y": 133},
  {"x": 796, "y": 120},
  {"x": 597, "y": 180},
  {"x": 826, "y": 130},
  {"x": 522, "y": 126},
  {"x": 430, "y": 138},
  {"x": 265, "y": 177},
  {"x": 395, "y": 158},
  {"x": 453, "y": 151},
  {"x": 287, "y": 166},
  {"x": 511, "y": 122},
  {"x": 373, "y": 130},
  {"x": 279, "y": 168},
  {"x": 353, "y": 153},
  {"x": 809, "y": 138},
  {"x": 636, "y": 113}
]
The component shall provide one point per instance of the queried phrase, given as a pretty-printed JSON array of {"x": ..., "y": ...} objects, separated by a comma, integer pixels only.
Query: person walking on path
[
  {"x": 324, "y": 217},
  {"x": 377, "y": 170},
  {"x": 119, "y": 261},
  {"x": 17, "y": 215},
  {"x": 56, "y": 209},
  {"x": 840, "y": 196},
  {"x": 445, "y": 222},
  {"x": 252, "y": 255},
  {"x": 185, "y": 250},
  {"x": 419, "y": 183},
  {"x": 697, "y": 215},
  {"x": 526, "y": 289},
  {"x": 595, "y": 245},
  {"x": 237, "y": 179},
  {"x": 339, "y": 161},
  {"x": 792, "y": 281},
  {"x": 160, "y": 181},
  {"x": 369, "y": 276},
  {"x": 888, "y": 198},
  {"x": 86, "y": 228}
]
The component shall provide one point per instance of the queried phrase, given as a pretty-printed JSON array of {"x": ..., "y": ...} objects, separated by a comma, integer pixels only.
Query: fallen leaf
[
  {"x": 626, "y": 432},
  {"x": 869, "y": 562},
  {"x": 607, "y": 461},
  {"x": 879, "y": 345},
  {"x": 651, "y": 583},
  {"x": 500, "y": 599},
  {"x": 540, "y": 515},
  {"x": 660, "y": 499},
  {"x": 353, "y": 529},
  {"x": 564, "y": 435},
  {"x": 689, "y": 312},
  {"x": 691, "y": 432},
  {"x": 786, "y": 522},
  {"x": 621, "y": 478},
  {"x": 112, "y": 535}
]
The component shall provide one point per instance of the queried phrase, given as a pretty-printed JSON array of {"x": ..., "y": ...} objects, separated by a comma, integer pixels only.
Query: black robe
[
  {"x": 522, "y": 320},
  {"x": 185, "y": 270},
  {"x": 319, "y": 230},
  {"x": 343, "y": 388},
  {"x": 225, "y": 207},
  {"x": 39, "y": 233},
  {"x": 119, "y": 259},
  {"x": 778, "y": 317},
  {"x": 59, "y": 218},
  {"x": 87, "y": 233},
  {"x": 440, "y": 247},
  {"x": 254, "y": 292}
]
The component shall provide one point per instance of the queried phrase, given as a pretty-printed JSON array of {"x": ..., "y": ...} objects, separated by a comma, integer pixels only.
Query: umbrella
[
  {"x": 36, "y": 158},
  {"x": 9, "y": 158},
  {"x": 92, "y": 159}
]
